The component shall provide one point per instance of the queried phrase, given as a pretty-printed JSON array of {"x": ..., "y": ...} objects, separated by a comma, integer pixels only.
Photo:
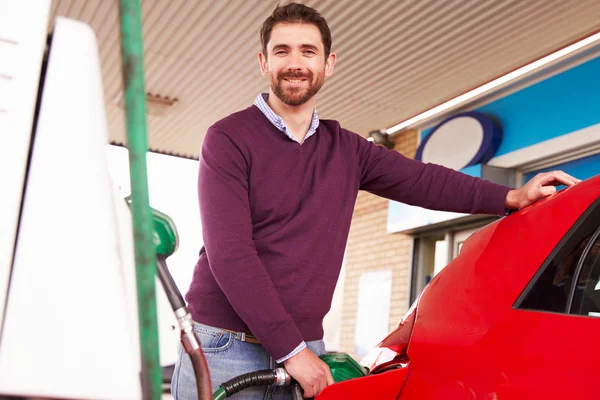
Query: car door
[{"x": 557, "y": 321}]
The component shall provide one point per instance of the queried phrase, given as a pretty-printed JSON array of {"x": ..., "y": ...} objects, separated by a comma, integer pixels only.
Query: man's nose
[{"x": 295, "y": 62}]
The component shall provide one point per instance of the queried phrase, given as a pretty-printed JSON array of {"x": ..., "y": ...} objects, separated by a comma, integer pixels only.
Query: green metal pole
[{"x": 145, "y": 255}]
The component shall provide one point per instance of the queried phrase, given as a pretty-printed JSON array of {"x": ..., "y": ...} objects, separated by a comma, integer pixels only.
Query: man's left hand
[{"x": 541, "y": 185}]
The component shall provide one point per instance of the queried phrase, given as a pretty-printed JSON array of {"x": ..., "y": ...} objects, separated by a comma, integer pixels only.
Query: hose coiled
[{"x": 257, "y": 378}]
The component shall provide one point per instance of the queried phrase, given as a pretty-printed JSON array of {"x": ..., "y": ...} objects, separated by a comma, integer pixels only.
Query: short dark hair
[{"x": 295, "y": 13}]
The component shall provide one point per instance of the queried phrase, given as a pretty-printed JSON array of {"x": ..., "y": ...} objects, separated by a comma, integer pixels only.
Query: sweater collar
[{"x": 278, "y": 122}]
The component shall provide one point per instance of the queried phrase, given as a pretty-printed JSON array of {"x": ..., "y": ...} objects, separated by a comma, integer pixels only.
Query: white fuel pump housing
[{"x": 68, "y": 310}]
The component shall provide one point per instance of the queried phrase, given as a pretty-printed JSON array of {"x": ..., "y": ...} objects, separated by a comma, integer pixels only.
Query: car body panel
[{"x": 469, "y": 341}]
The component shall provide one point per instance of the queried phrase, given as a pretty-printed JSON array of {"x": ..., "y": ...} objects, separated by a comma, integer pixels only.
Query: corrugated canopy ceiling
[{"x": 395, "y": 58}]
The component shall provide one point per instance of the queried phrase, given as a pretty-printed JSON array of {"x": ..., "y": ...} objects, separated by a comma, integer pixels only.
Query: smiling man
[{"x": 277, "y": 188}]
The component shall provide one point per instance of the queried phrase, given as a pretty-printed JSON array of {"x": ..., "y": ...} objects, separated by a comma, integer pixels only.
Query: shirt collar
[{"x": 278, "y": 122}]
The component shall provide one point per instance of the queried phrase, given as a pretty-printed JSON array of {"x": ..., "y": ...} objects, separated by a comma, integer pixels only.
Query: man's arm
[
  {"x": 391, "y": 175},
  {"x": 232, "y": 255}
]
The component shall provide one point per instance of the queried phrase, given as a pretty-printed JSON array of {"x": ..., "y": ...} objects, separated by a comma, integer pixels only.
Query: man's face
[{"x": 295, "y": 63}]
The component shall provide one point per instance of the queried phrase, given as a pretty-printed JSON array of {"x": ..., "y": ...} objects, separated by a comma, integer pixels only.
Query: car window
[
  {"x": 550, "y": 288},
  {"x": 586, "y": 297}
]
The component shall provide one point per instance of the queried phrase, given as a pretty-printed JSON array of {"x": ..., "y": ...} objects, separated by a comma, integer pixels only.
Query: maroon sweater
[{"x": 276, "y": 217}]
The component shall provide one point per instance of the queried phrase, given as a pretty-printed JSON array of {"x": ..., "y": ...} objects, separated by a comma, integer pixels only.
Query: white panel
[
  {"x": 184, "y": 212},
  {"x": 71, "y": 322},
  {"x": 9, "y": 55},
  {"x": 402, "y": 217},
  {"x": 7, "y": 93},
  {"x": 583, "y": 138},
  {"x": 22, "y": 42},
  {"x": 373, "y": 314}
]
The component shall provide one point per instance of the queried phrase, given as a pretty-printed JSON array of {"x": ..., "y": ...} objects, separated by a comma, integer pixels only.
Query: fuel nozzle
[
  {"x": 341, "y": 365},
  {"x": 164, "y": 235}
]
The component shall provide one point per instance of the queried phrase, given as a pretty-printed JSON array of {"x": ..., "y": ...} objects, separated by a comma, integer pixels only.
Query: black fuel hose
[
  {"x": 171, "y": 290},
  {"x": 263, "y": 377}
]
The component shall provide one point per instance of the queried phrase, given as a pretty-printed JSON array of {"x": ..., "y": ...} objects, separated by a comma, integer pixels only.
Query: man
[{"x": 277, "y": 188}]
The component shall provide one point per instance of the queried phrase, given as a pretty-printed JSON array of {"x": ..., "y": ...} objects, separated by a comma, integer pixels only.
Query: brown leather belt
[{"x": 243, "y": 337}]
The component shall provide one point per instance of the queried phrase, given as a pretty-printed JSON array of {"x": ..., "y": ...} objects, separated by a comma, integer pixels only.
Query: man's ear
[
  {"x": 262, "y": 61},
  {"x": 330, "y": 64}
]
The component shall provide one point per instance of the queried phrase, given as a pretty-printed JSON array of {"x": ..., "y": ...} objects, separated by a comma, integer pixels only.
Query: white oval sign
[{"x": 460, "y": 141}]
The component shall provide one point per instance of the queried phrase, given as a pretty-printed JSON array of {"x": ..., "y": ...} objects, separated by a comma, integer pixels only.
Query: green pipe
[
  {"x": 220, "y": 394},
  {"x": 137, "y": 143}
]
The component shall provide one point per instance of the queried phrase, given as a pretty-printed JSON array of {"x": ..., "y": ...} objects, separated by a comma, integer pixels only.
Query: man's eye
[
  {"x": 309, "y": 52},
  {"x": 280, "y": 53}
]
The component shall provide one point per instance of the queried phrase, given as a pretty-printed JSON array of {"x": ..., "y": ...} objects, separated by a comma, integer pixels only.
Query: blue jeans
[{"x": 227, "y": 357}]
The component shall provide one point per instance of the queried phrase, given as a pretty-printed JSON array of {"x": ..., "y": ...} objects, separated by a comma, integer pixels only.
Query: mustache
[{"x": 295, "y": 75}]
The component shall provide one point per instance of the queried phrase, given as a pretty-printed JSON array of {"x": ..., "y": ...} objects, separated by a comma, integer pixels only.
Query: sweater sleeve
[
  {"x": 232, "y": 255},
  {"x": 389, "y": 174}
]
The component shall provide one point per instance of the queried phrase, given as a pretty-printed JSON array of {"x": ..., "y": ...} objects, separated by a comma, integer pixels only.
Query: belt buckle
[{"x": 243, "y": 336}]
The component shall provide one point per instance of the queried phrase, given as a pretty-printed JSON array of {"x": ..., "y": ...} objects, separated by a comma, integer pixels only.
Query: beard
[{"x": 297, "y": 96}]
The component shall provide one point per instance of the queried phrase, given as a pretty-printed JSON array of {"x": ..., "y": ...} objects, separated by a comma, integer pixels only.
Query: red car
[{"x": 515, "y": 316}]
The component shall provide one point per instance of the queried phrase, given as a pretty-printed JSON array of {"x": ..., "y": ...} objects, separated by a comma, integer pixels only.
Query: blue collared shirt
[{"x": 278, "y": 122}]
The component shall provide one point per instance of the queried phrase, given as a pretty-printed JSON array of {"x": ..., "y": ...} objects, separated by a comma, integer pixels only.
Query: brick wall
[{"x": 371, "y": 248}]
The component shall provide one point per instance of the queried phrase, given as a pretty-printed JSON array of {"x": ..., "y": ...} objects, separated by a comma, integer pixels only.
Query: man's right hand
[{"x": 309, "y": 371}]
